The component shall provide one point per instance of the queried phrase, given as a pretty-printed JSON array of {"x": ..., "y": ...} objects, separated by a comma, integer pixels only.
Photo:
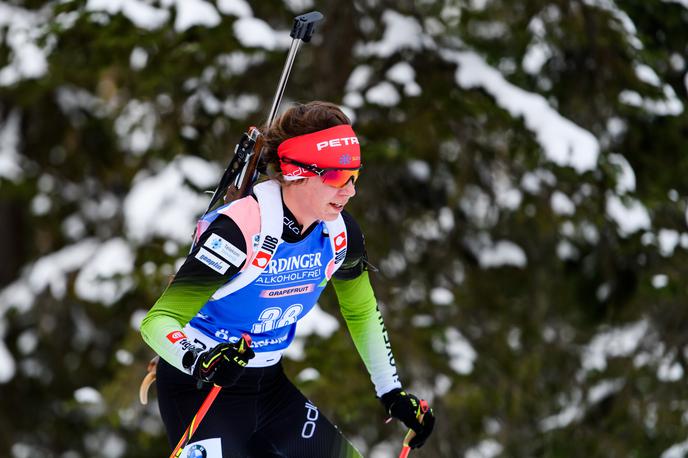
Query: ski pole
[
  {"x": 406, "y": 448},
  {"x": 196, "y": 420}
]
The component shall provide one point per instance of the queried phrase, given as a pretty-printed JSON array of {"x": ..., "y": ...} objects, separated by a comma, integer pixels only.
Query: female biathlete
[{"x": 257, "y": 266}]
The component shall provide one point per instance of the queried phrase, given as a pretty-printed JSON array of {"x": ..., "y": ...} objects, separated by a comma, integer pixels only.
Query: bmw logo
[{"x": 197, "y": 451}]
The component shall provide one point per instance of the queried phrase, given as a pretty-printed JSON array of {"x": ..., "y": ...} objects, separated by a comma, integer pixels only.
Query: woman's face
[{"x": 324, "y": 202}]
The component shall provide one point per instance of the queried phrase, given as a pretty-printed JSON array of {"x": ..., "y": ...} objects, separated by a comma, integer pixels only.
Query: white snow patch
[
  {"x": 308, "y": 374},
  {"x": 401, "y": 73},
  {"x": 567, "y": 251},
  {"x": 317, "y": 321},
  {"x": 488, "y": 448},
  {"x": 27, "y": 341},
  {"x": 679, "y": 450},
  {"x": 561, "y": 204},
  {"x": 441, "y": 296},
  {"x": 538, "y": 51},
  {"x": 73, "y": 227},
  {"x": 135, "y": 126},
  {"x": 477, "y": 206},
  {"x": 570, "y": 413},
  {"x": 136, "y": 318},
  {"x": 442, "y": 384},
  {"x": 422, "y": 321},
  {"x": 420, "y": 170},
  {"x": 241, "y": 106},
  {"x": 163, "y": 205},
  {"x": 238, "y": 8},
  {"x": 237, "y": 62},
  {"x": 138, "y": 58},
  {"x": 10, "y": 158},
  {"x": 195, "y": 13},
  {"x": 50, "y": 271},
  {"x": 625, "y": 179},
  {"x": 124, "y": 357},
  {"x": 460, "y": 352},
  {"x": 88, "y": 395},
  {"x": 384, "y": 94},
  {"x": 623, "y": 19},
  {"x": 404, "y": 74},
  {"x": 401, "y": 32},
  {"x": 41, "y": 204},
  {"x": 660, "y": 281},
  {"x": 647, "y": 74},
  {"x": 535, "y": 58},
  {"x": 563, "y": 142},
  {"x": 106, "y": 276},
  {"x": 669, "y": 370},
  {"x": 506, "y": 195},
  {"x": 255, "y": 33},
  {"x": 25, "y": 29},
  {"x": 502, "y": 253},
  {"x": 668, "y": 240},
  {"x": 532, "y": 181},
  {"x": 603, "y": 389},
  {"x": 199, "y": 172},
  {"x": 670, "y": 106},
  {"x": 629, "y": 214},
  {"x": 683, "y": 3},
  {"x": 299, "y": 6},
  {"x": 7, "y": 365},
  {"x": 140, "y": 13},
  {"x": 359, "y": 78},
  {"x": 446, "y": 219},
  {"x": 614, "y": 343}
]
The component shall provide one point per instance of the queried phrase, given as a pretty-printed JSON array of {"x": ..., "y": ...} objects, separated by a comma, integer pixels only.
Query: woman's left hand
[{"x": 407, "y": 408}]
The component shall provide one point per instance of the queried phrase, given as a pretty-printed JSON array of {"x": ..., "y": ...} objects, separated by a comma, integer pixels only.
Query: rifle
[{"x": 242, "y": 171}]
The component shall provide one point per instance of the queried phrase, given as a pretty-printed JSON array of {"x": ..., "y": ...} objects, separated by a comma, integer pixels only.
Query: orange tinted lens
[{"x": 339, "y": 178}]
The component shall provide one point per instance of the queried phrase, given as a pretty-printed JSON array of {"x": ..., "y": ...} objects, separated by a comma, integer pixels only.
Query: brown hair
[{"x": 300, "y": 119}]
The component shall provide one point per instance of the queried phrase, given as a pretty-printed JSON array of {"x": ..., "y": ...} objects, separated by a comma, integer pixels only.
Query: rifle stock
[{"x": 248, "y": 175}]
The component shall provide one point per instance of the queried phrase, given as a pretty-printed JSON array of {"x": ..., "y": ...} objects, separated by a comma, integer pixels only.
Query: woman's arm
[
  {"x": 366, "y": 326},
  {"x": 205, "y": 269}
]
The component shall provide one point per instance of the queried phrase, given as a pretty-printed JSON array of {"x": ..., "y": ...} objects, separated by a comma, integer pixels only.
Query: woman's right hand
[{"x": 224, "y": 363}]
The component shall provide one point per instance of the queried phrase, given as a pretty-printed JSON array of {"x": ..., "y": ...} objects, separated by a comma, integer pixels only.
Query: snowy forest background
[{"x": 524, "y": 196}]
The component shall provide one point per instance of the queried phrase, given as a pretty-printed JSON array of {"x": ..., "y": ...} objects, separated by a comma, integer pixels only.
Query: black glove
[
  {"x": 222, "y": 364},
  {"x": 407, "y": 408}
]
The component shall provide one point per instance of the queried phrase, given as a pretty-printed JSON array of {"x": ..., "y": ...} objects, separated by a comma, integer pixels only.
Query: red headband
[{"x": 333, "y": 148}]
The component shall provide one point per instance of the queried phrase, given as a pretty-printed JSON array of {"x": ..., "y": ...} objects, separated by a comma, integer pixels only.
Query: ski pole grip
[{"x": 304, "y": 26}]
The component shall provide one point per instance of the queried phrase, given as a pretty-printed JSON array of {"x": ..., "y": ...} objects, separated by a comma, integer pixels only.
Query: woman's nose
[{"x": 349, "y": 189}]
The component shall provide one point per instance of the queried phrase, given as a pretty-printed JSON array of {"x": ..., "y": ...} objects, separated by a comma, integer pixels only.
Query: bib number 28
[{"x": 273, "y": 317}]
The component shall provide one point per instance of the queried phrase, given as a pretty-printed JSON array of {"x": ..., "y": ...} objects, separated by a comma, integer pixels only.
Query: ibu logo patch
[{"x": 345, "y": 159}]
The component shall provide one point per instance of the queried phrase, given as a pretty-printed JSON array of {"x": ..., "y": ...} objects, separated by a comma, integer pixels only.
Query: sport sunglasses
[{"x": 332, "y": 177}]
